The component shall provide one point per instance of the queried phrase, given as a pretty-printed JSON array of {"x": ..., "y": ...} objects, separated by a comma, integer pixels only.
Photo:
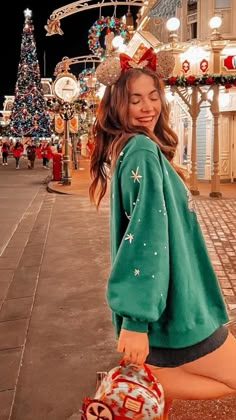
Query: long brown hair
[{"x": 112, "y": 129}]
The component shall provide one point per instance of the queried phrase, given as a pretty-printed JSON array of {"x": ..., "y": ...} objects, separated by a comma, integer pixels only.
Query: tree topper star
[{"x": 28, "y": 13}]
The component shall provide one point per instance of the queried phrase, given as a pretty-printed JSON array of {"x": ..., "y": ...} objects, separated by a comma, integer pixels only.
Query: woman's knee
[{"x": 219, "y": 365}]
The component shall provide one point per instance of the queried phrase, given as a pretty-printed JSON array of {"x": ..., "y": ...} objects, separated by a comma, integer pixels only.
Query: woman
[
  {"x": 46, "y": 154},
  {"x": 31, "y": 154},
  {"x": 17, "y": 151},
  {"x": 5, "y": 151},
  {"x": 166, "y": 304}
]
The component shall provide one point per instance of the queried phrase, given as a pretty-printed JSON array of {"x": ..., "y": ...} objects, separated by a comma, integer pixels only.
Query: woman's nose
[{"x": 147, "y": 105}]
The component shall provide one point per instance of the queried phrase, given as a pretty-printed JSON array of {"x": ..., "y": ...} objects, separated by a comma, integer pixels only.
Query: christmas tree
[{"x": 29, "y": 115}]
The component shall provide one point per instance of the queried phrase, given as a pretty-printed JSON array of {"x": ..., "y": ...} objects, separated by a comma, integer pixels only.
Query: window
[
  {"x": 222, "y": 4},
  {"x": 192, "y": 20}
]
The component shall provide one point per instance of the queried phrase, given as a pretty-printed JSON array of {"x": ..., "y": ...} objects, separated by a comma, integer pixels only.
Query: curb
[{"x": 53, "y": 190}]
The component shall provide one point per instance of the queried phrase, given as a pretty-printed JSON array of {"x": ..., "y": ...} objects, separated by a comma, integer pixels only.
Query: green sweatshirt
[{"x": 161, "y": 281}]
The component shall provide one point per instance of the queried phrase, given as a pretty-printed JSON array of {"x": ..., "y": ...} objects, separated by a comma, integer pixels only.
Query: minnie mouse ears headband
[{"x": 109, "y": 70}]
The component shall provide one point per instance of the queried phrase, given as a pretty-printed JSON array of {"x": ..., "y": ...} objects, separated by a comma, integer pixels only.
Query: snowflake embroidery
[
  {"x": 129, "y": 237},
  {"x": 191, "y": 203},
  {"x": 164, "y": 207},
  {"x": 135, "y": 175},
  {"x": 128, "y": 217},
  {"x": 136, "y": 272}
]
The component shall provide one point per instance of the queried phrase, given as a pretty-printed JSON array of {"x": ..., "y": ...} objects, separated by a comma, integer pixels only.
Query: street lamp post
[
  {"x": 66, "y": 113},
  {"x": 66, "y": 90}
]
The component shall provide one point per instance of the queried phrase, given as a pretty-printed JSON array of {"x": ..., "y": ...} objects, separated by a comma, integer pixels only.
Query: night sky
[{"x": 73, "y": 43}]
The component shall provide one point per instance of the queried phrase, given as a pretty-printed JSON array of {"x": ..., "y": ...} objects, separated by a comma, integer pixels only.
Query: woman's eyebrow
[{"x": 139, "y": 94}]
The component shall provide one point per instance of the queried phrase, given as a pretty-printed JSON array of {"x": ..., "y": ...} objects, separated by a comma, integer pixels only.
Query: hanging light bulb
[
  {"x": 129, "y": 21},
  {"x": 118, "y": 42}
]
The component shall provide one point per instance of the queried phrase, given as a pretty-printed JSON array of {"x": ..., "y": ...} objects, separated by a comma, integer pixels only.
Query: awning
[{"x": 166, "y": 9}]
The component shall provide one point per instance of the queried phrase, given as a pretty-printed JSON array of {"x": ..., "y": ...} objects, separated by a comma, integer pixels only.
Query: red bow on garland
[{"x": 148, "y": 59}]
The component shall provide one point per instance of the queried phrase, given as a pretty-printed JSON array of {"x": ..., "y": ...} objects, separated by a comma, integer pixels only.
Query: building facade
[{"x": 201, "y": 51}]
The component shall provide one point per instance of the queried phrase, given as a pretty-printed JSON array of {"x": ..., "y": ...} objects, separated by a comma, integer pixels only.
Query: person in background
[
  {"x": 46, "y": 154},
  {"x": 90, "y": 146},
  {"x": 31, "y": 154},
  {"x": 26, "y": 142},
  {"x": 17, "y": 151},
  {"x": 5, "y": 152},
  {"x": 166, "y": 303},
  {"x": 39, "y": 151},
  {"x": 59, "y": 147}
]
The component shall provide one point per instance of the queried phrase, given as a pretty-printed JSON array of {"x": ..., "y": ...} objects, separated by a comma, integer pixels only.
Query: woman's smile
[{"x": 144, "y": 102}]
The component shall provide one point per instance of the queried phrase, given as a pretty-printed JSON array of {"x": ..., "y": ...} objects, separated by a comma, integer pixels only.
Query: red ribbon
[{"x": 148, "y": 56}]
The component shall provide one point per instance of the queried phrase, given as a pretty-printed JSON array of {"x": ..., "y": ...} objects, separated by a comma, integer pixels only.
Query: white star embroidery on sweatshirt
[
  {"x": 135, "y": 175},
  {"x": 128, "y": 217},
  {"x": 129, "y": 237}
]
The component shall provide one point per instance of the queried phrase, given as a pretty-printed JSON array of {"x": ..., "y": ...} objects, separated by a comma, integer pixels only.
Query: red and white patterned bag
[{"x": 126, "y": 392}]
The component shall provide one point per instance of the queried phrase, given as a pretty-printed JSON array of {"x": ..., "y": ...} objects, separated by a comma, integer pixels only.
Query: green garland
[{"x": 227, "y": 81}]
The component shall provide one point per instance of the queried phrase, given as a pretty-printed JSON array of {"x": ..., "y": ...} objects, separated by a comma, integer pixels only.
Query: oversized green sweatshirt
[{"x": 161, "y": 281}]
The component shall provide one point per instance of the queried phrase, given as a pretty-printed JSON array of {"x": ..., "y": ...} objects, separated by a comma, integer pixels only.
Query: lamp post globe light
[
  {"x": 215, "y": 23},
  {"x": 66, "y": 90},
  {"x": 172, "y": 25}
]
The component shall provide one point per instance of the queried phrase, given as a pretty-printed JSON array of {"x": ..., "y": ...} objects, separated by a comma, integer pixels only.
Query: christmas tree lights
[{"x": 29, "y": 115}]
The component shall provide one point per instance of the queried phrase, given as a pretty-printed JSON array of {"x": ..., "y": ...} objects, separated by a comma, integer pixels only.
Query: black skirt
[{"x": 166, "y": 357}]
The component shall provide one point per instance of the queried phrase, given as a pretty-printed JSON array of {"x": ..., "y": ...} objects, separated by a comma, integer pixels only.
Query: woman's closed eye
[{"x": 154, "y": 98}]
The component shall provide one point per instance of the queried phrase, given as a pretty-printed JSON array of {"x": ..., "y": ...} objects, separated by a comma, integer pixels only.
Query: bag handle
[{"x": 149, "y": 376}]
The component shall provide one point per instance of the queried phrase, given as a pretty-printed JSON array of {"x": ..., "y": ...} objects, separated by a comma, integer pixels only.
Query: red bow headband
[
  {"x": 110, "y": 70},
  {"x": 148, "y": 59}
]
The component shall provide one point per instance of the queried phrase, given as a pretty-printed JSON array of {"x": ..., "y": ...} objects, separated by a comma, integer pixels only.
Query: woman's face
[{"x": 144, "y": 102}]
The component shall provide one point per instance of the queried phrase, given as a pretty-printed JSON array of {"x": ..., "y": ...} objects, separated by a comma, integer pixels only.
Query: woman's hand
[{"x": 134, "y": 345}]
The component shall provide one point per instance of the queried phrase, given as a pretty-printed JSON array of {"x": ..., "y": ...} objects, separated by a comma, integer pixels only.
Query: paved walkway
[{"x": 55, "y": 328}]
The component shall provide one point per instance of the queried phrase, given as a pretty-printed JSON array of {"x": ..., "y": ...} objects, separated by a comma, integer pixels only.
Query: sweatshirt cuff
[{"x": 134, "y": 325}]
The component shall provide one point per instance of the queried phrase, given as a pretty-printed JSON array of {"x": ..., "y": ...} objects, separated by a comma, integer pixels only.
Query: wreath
[
  {"x": 112, "y": 24},
  {"x": 89, "y": 72}
]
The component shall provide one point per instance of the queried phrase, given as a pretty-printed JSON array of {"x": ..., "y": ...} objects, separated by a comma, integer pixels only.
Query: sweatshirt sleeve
[{"x": 138, "y": 283}]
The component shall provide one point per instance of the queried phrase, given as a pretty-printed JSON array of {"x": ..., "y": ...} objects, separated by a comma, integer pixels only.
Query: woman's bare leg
[{"x": 210, "y": 377}]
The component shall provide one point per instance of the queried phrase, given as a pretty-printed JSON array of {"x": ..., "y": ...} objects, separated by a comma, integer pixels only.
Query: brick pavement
[{"x": 220, "y": 236}]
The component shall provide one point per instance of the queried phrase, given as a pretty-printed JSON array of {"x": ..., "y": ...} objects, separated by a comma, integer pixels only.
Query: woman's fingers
[{"x": 134, "y": 345}]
